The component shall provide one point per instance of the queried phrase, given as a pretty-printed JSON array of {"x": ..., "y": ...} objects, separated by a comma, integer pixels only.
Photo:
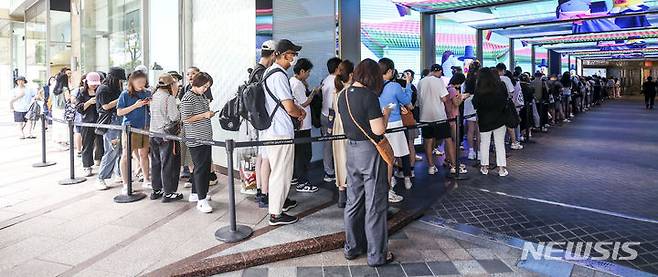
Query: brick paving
[{"x": 604, "y": 160}]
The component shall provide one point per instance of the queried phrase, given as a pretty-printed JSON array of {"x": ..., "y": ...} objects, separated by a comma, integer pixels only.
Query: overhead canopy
[{"x": 569, "y": 27}]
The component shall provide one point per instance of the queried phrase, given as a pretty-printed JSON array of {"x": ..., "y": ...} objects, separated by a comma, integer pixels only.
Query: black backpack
[
  {"x": 230, "y": 117},
  {"x": 249, "y": 103}
]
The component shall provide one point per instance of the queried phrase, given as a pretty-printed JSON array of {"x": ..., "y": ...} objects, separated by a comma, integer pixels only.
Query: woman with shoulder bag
[
  {"x": 92, "y": 144},
  {"x": 367, "y": 202},
  {"x": 165, "y": 154}
]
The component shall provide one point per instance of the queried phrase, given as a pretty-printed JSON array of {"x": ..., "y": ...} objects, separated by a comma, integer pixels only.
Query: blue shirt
[
  {"x": 138, "y": 117},
  {"x": 394, "y": 93}
]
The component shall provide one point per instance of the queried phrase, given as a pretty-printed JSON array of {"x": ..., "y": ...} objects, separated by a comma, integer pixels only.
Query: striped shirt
[
  {"x": 163, "y": 110},
  {"x": 191, "y": 105}
]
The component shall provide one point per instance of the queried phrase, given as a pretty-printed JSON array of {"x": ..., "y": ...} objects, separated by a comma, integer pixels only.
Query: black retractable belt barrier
[
  {"x": 44, "y": 162},
  {"x": 72, "y": 179},
  {"x": 130, "y": 196},
  {"x": 233, "y": 232}
]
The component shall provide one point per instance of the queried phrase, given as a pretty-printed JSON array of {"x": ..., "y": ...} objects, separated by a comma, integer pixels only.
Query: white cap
[
  {"x": 142, "y": 68},
  {"x": 268, "y": 45}
]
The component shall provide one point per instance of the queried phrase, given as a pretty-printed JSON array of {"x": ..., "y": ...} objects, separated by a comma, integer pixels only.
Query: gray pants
[
  {"x": 367, "y": 203},
  {"x": 327, "y": 151}
]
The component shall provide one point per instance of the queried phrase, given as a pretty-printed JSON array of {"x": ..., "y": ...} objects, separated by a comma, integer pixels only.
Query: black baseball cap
[
  {"x": 436, "y": 67},
  {"x": 286, "y": 45}
]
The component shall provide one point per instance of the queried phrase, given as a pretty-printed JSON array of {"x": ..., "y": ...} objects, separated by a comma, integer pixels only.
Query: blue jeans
[{"x": 110, "y": 160}]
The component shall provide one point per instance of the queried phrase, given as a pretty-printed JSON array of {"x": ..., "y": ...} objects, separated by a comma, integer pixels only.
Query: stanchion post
[
  {"x": 233, "y": 232},
  {"x": 72, "y": 179},
  {"x": 458, "y": 176},
  {"x": 43, "y": 162},
  {"x": 129, "y": 196},
  {"x": 529, "y": 121}
]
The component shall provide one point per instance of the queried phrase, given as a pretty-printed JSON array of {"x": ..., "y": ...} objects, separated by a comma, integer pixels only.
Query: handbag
[
  {"x": 383, "y": 146},
  {"x": 408, "y": 119},
  {"x": 511, "y": 116},
  {"x": 171, "y": 127},
  {"x": 104, "y": 118}
]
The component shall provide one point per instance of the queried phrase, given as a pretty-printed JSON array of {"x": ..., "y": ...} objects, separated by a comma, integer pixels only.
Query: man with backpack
[{"x": 282, "y": 111}]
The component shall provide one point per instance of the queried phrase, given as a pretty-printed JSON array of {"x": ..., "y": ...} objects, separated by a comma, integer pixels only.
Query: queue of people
[{"x": 360, "y": 101}]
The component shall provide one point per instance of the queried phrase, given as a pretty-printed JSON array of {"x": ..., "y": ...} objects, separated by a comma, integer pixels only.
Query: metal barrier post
[
  {"x": 129, "y": 196},
  {"x": 530, "y": 121},
  {"x": 72, "y": 179},
  {"x": 458, "y": 176},
  {"x": 233, "y": 232},
  {"x": 43, "y": 162}
]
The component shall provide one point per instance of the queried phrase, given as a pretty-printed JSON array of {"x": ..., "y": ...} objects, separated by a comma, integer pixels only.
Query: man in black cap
[{"x": 280, "y": 104}]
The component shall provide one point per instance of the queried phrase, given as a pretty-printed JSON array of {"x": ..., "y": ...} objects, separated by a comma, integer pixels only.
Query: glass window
[
  {"x": 35, "y": 41},
  {"x": 164, "y": 36},
  {"x": 111, "y": 34}
]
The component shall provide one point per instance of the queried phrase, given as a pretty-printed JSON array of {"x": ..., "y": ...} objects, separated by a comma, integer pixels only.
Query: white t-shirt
[
  {"x": 508, "y": 84},
  {"x": 328, "y": 91},
  {"x": 281, "y": 122},
  {"x": 430, "y": 91},
  {"x": 299, "y": 93},
  {"x": 23, "y": 104}
]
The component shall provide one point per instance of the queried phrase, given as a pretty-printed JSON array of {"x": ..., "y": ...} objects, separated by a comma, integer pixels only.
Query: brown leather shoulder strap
[{"x": 349, "y": 110}]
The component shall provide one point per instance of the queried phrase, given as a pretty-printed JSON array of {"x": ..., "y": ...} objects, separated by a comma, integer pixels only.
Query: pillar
[
  {"x": 427, "y": 40},
  {"x": 349, "y": 30},
  {"x": 479, "y": 45},
  {"x": 533, "y": 60},
  {"x": 512, "y": 62},
  {"x": 554, "y": 62}
]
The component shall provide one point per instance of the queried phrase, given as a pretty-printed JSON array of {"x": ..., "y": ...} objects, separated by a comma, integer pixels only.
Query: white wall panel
[{"x": 224, "y": 35}]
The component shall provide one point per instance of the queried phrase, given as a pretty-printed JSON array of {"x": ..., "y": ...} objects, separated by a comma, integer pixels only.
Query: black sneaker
[
  {"x": 282, "y": 219},
  {"x": 289, "y": 204},
  {"x": 306, "y": 187},
  {"x": 262, "y": 201},
  {"x": 171, "y": 197},
  {"x": 156, "y": 194},
  {"x": 294, "y": 182}
]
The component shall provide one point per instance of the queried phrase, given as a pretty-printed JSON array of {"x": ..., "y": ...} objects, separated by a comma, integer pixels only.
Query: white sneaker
[
  {"x": 516, "y": 146},
  {"x": 407, "y": 183},
  {"x": 187, "y": 185},
  {"x": 193, "y": 197},
  {"x": 88, "y": 172},
  {"x": 432, "y": 170},
  {"x": 100, "y": 185},
  {"x": 147, "y": 185},
  {"x": 419, "y": 158},
  {"x": 124, "y": 190},
  {"x": 471, "y": 154},
  {"x": 393, "y": 197},
  {"x": 484, "y": 170},
  {"x": 248, "y": 191},
  {"x": 203, "y": 206},
  {"x": 503, "y": 172},
  {"x": 437, "y": 152}
]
